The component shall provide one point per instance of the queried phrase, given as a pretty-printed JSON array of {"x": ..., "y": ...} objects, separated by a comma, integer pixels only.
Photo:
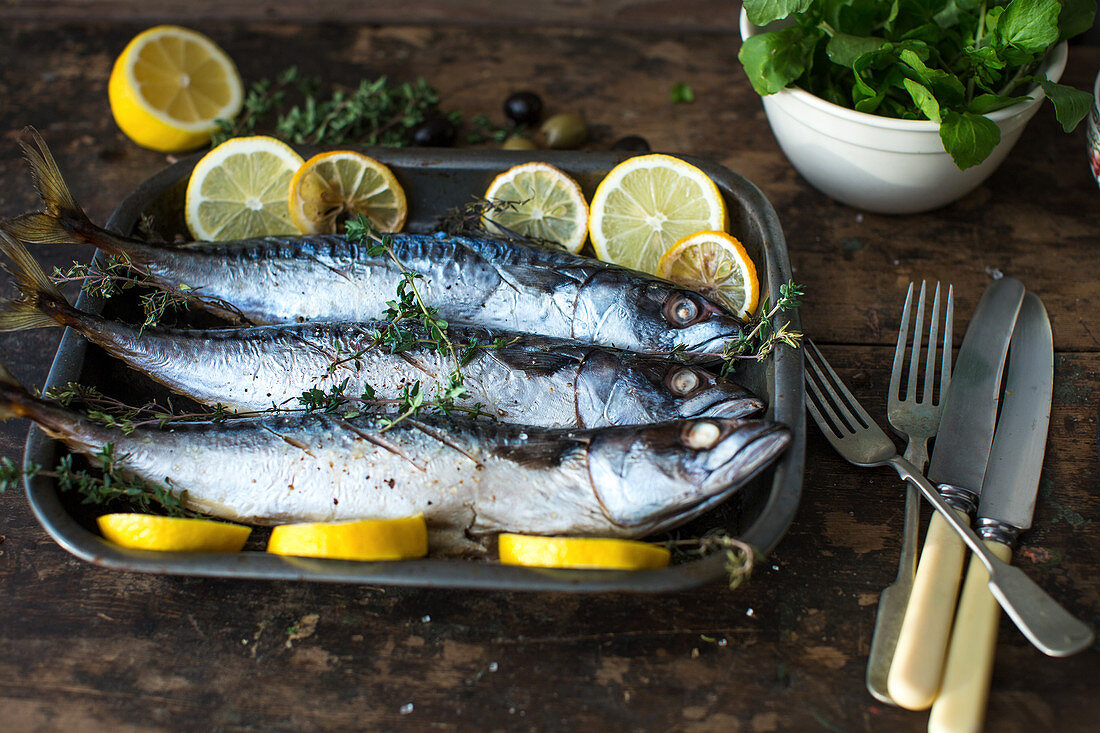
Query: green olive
[
  {"x": 564, "y": 131},
  {"x": 519, "y": 142}
]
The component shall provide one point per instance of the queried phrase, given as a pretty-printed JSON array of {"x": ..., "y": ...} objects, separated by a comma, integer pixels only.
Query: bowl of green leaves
[{"x": 905, "y": 106}]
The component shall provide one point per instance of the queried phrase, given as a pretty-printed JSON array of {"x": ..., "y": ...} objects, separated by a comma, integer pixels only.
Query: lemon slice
[
  {"x": 716, "y": 265},
  {"x": 369, "y": 539},
  {"x": 646, "y": 204},
  {"x": 546, "y": 204},
  {"x": 238, "y": 190},
  {"x": 170, "y": 85},
  {"x": 580, "y": 552},
  {"x": 149, "y": 532},
  {"x": 330, "y": 187}
]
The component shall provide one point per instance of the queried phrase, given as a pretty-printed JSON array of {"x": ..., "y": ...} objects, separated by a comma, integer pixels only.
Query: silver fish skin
[
  {"x": 470, "y": 479},
  {"x": 535, "y": 380},
  {"x": 487, "y": 283}
]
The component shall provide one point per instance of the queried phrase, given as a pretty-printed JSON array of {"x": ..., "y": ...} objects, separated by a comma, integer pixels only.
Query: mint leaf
[
  {"x": 1077, "y": 16},
  {"x": 1070, "y": 105},
  {"x": 774, "y": 60},
  {"x": 762, "y": 12},
  {"x": 1029, "y": 25},
  {"x": 986, "y": 103},
  {"x": 969, "y": 138},
  {"x": 844, "y": 49},
  {"x": 924, "y": 99}
]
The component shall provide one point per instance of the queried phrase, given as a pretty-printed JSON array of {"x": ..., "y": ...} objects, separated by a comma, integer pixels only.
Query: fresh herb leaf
[
  {"x": 844, "y": 49},
  {"x": 1070, "y": 105},
  {"x": 1076, "y": 17},
  {"x": 1029, "y": 25},
  {"x": 682, "y": 94},
  {"x": 924, "y": 99},
  {"x": 968, "y": 138},
  {"x": 775, "y": 60},
  {"x": 762, "y": 12}
]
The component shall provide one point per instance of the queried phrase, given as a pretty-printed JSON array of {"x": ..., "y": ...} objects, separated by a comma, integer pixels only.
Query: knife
[
  {"x": 1007, "y": 503},
  {"x": 957, "y": 467}
]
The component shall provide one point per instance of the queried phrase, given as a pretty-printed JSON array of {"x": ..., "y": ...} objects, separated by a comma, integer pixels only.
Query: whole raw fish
[
  {"x": 470, "y": 479},
  {"x": 534, "y": 380},
  {"x": 487, "y": 283}
]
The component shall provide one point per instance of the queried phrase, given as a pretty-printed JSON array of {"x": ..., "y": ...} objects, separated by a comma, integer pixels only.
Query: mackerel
[
  {"x": 499, "y": 285},
  {"x": 470, "y": 479}
]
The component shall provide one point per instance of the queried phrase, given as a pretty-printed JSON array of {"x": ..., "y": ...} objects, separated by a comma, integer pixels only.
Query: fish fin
[
  {"x": 12, "y": 395},
  {"x": 534, "y": 360},
  {"x": 62, "y": 221},
  {"x": 43, "y": 304}
]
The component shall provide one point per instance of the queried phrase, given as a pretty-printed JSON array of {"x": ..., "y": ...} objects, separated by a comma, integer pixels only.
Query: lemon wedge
[
  {"x": 170, "y": 85},
  {"x": 545, "y": 203},
  {"x": 149, "y": 532},
  {"x": 369, "y": 539},
  {"x": 330, "y": 187},
  {"x": 239, "y": 190},
  {"x": 646, "y": 204},
  {"x": 580, "y": 552},
  {"x": 716, "y": 265}
]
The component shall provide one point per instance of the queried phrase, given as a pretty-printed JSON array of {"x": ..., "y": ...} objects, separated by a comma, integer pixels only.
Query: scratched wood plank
[
  {"x": 711, "y": 16},
  {"x": 83, "y": 648}
]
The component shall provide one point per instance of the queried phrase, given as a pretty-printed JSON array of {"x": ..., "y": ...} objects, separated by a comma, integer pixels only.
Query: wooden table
[{"x": 82, "y": 648}]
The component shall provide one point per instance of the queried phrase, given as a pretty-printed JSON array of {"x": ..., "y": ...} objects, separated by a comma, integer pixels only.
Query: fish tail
[
  {"x": 61, "y": 221},
  {"x": 42, "y": 304}
]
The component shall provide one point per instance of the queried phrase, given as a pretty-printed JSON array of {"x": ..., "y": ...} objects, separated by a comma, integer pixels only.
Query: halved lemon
[
  {"x": 238, "y": 190},
  {"x": 331, "y": 187},
  {"x": 580, "y": 552},
  {"x": 149, "y": 532},
  {"x": 646, "y": 204},
  {"x": 545, "y": 203},
  {"x": 369, "y": 539},
  {"x": 716, "y": 265},
  {"x": 169, "y": 86}
]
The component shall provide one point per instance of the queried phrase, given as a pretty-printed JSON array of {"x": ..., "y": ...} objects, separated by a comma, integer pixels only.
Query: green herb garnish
[
  {"x": 948, "y": 61},
  {"x": 682, "y": 94}
]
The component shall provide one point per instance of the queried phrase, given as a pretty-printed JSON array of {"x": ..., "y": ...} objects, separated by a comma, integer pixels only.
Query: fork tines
[
  {"x": 930, "y": 395},
  {"x": 829, "y": 397}
]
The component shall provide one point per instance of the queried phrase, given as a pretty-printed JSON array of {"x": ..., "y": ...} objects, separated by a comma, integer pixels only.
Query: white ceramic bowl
[{"x": 883, "y": 164}]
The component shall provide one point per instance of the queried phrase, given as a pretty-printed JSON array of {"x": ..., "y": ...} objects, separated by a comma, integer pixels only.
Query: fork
[
  {"x": 918, "y": 420},
  {"x": 860, "y": 440}
]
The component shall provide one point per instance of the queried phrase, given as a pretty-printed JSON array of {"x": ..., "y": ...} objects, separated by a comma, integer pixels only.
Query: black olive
[
  {"x": 631, "y": 143},
  {"x": 435, "y": 132},
  {"x": 523, "y": 108}
]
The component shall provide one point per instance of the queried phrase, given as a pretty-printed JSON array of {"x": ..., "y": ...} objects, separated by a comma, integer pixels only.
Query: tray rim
[{"x": 763, "y": 534}]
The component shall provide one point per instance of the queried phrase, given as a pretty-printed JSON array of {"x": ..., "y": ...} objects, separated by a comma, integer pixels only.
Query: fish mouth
[
  {"x": 734, "y": 407},
  {"x": 742, "y": 459}
]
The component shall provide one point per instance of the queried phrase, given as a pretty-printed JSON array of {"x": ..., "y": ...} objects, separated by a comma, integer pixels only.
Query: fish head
[
  {"x": 615, "y": 388},
  {"x": 640, "y": 313},
  {"x": 654, "y": 478}
]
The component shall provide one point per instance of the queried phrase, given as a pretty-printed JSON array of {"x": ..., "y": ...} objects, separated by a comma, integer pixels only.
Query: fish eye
[
  {"x": 682, "y": 311},
  {"x": 682, "y": 381},
  {"x": 702, "y": 435}
]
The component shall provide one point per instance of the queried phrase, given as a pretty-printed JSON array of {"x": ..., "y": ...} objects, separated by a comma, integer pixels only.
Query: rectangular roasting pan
[{"x": 435, "y": 182}]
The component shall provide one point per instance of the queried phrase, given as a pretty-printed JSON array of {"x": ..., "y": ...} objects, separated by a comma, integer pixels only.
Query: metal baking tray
[{"x": 435, "y": 182}]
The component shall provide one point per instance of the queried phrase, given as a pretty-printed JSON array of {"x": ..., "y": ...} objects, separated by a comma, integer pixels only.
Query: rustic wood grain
[{"x": 83, "y": 648}]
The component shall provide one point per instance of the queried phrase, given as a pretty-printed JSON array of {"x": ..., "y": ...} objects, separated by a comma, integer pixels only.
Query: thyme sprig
[
  {"x": 472, "y": 220},
  {"x": 116, "y": 274},
  {"x": 739, "y": 556},
  {"x": 112, "y": 412},
  {"x": 108, "y": 485},
  {"x": 760, "y": 336},
  {"x": 376, "y": 112}
]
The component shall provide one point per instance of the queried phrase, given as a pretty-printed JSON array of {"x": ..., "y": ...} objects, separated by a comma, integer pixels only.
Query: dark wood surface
[{"x": 82, "y": 648}]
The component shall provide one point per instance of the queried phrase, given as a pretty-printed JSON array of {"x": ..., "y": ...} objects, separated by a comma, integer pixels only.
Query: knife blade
[
  {"x": 958, "y": 466},
  {"x": 1007, "y": 504}
]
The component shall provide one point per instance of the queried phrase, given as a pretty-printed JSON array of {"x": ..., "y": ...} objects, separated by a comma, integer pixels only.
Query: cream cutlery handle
[
  {"x": 922, "y": 643},
  {"x": 960, "y": 706}
]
